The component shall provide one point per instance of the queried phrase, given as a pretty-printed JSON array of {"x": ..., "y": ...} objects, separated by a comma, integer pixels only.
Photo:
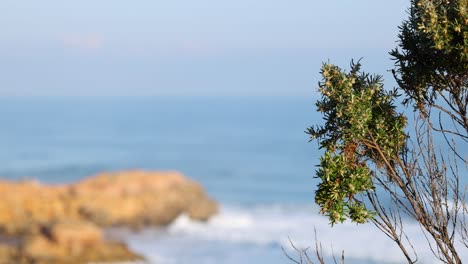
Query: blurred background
[
  {"x": 202, "y": 48},
  {"x": 219, "y": 90}
]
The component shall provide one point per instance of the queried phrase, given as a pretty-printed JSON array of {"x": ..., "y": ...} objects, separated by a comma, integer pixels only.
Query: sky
[{"x": 189, "y": 48}]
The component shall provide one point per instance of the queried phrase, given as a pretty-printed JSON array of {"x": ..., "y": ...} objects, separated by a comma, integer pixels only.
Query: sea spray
[{"x": 258, "y": 234}]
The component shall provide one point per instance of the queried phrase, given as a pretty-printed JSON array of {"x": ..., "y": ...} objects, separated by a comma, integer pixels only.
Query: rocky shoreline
[{"x": 64, "y": 224}]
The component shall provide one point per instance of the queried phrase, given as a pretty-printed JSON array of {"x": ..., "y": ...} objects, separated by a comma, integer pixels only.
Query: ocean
[{"x": 250, "y": 153}]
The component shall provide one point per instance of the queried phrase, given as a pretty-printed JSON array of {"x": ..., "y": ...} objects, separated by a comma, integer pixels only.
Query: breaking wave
[{"x": 258, "y": 234}]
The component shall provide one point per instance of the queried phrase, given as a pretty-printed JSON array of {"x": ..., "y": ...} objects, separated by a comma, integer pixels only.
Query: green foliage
[
  {"x": 361, "y": 124},
  {"x": 366, "y": 147},
  {"x": 363, "y": 134},
  {"x": 432, "y": 58},
  {"x": 444, "y": 23}
]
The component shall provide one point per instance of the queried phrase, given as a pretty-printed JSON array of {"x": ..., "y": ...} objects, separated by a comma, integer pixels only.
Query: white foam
[{"x": 267, "y": 229}]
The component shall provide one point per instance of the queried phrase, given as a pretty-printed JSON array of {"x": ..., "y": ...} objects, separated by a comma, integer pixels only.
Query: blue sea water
[
  {"x": 244, "y": 150},
  {"x": 250, "y": 153}
]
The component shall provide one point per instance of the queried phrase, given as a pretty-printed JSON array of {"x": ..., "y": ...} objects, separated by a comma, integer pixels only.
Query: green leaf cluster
[
  {"x": 444, "y": 22},
  {"x": 361, "y": 125},
  {"x": 432, "y": 57}
]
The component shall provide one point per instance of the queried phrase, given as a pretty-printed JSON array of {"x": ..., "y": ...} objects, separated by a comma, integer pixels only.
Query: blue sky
[{"x": 192, "y": 48}]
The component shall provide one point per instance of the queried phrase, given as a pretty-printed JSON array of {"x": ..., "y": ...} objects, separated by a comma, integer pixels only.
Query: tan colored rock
[
  {"x": 202, "y": 210},
  {"x": 68, "y": 233},
  {"x": 25, "y": 203},
  {"x": 134, "y": 198},
  {"x": 7, "y": 254},
  {"x": 139, "y": 198},
  {"x": 72, "y": 242},
  {"x": 58, "y": 224}
]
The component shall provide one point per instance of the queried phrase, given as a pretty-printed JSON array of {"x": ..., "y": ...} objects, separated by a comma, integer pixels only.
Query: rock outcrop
[
  {"x": 71, "y": 242},
  {"x": 139, "y": 199},
  {"x": 61, "y": 224}
]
